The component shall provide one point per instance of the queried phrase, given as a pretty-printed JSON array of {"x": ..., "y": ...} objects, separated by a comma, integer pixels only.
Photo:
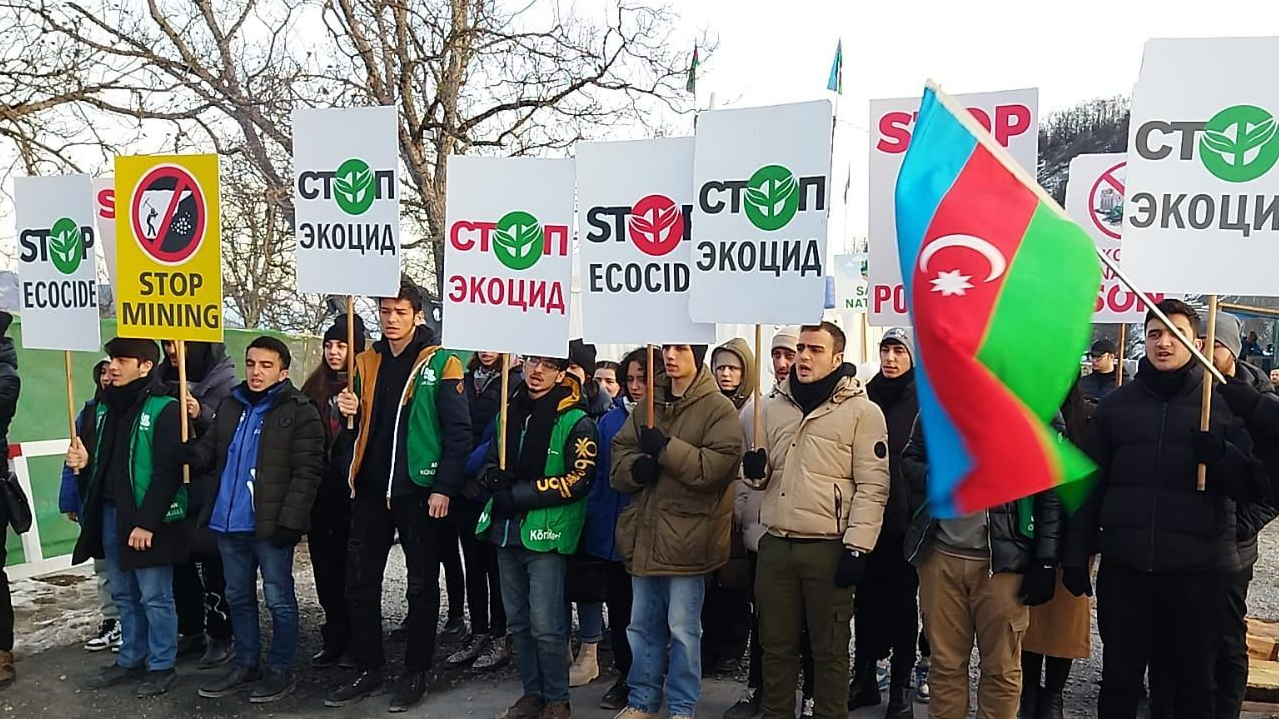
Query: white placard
[
  {"x": 762, "y": 178},
  {"x": 635, "y": 211},
  {"x": 346, "y": 200},
  {"x": 508, "y": 262},
  {"x": 1202, "y": 215},
  {"x": 57, "y": 263},
  {"x": 104, "y": 221},
  {"x": 1012, "y": 116},
  {"x": 852, "y": 287}
]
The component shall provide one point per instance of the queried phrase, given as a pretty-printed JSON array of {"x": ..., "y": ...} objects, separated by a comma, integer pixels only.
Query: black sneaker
[
  {"x": 326, "y": 658},
  {"x": 157, "y": 682},
  {"x": 274, "y": 685},
  {"x": 454, "y": 631},
  {"x": 616, "y": 697},
  {"x": 364, "y": 684},
  {"x": 408, "y": 691},
  {"x": 236, "y": 680},
  {"x": 189, "y": 644},
  {"x": 217, "y": 652},
  {"x": 470, "y": 652},
  {"x": 114, "y": 674},
  {"x": 748, "y": 707}
]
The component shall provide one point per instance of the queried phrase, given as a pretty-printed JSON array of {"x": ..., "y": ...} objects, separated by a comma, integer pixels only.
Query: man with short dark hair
[
  {"x": 266, "y": 450},
  {"x": 1105, "y": 364},
  {"x": 823, "y": 467},
  {"x": 412, "y": 436},
  {"x": 134, "y": 505},
  {"x": 1164, "y": 544}
]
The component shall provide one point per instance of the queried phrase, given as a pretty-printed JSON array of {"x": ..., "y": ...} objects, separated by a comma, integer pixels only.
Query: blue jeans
[
  {"x": 666, "y": 612},
  {"x": 148, "y": 616},
  {"x": 533, "y": 594},
  {"x": 590, "y": 620},
  {"x": 242, "y": 555}
]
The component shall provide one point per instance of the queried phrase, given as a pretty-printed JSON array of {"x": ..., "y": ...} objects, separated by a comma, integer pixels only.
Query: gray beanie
[
  {"x": 902, "y": 336},
  {"x": 1229, "y": 333}
]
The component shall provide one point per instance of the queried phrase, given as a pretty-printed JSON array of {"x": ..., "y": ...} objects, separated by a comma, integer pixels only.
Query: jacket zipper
[
  {"x": 395, "y": 434},
  {"x": 990, "y": 547},
  {"x": 839, "y": 510},
  {"x": 1154, "y": 506}
]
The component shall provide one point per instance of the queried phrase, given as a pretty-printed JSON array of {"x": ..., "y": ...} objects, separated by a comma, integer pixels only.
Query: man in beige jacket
[{"x": 823, "y": 467}]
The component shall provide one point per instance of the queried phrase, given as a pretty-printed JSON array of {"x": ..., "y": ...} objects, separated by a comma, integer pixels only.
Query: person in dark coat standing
[
  {"x": 10, "y": 386},
  {"x": 266, "y": 449},
  {"x": 134, "y": 507},
  {"x": 204, "y": 621},
  {"x": 1165, "y": 546},
  {"x": 331, "y": 513},
  {"x": 886, "y": 612}
]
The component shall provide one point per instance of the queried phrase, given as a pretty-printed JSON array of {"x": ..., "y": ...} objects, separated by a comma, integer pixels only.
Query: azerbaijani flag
[
  {"x": 836, "y": 82},
  {"x": 1000, "y": 286}
]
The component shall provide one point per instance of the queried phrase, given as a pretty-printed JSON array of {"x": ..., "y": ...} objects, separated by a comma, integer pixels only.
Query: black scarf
[
  {"x": 809, "y": 396},
  {"x": 1165, "y": 384},
  {"x": 532, "y": 420},
  {"x": 121, "y": 399},
  {"x": 255, "y": 397},
  {"x": 886, "y": 392}
]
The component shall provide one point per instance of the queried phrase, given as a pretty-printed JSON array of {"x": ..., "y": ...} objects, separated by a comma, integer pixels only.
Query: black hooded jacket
[
  {"x": 896, "y": 397},
  {"x": 10, "y": 387},
  {"x": 1263, "y": 426},
  {"x": 1144, "y": 511}
]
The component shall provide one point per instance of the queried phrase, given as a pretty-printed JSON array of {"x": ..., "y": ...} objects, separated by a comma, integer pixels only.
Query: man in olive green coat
[{"x": 675, "y": 531}]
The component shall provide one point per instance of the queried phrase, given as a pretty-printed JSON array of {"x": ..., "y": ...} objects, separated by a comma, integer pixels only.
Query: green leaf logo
[
  {"x": 772, "y": 197},
  {"x": 353, "y": 187},
  {"x": 1238, "y": 143},
  {"x": 517, "y": 240},
  {"x": 66, "y": 246}
]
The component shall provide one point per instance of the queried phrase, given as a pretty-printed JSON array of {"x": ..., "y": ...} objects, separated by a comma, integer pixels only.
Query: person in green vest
[
  {"x": 134, "y": 503},
  {"x": 535, "y": 518},
  {"x": 411, "y": 438}
]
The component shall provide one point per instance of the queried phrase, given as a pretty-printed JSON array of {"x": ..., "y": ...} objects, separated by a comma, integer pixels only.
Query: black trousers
[
  {"x": 6, "y": 601},
  {"x": 199, "y": 593},
  {"x": 454, "y": 579},
  {"x": 1171, "y": 617},
  {"x": 373, "y": 527},
  {"x": 886, "y": 610},
  {"x": 755, "y": 673},
  {"x": 483, "y": 585},
  {"x": 327, "y": 545},
  {"x": 726, "y": 623},
  {"x": 618, "y": 600},
  {"x": 1230, "y": 671}
]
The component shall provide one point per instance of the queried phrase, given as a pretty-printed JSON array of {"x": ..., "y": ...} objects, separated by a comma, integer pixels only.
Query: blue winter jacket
[
  {"x": 68, "y": 492},
  {"x": 604, "y": 504},
  {"x": 233, "y": 507}
]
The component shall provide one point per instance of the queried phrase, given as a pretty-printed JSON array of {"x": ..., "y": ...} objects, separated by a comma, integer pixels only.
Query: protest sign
[
  {"x": 168, "y": 247},
  {"x": 344, "y": 193},
  {"x": 852, "y": 287},
  {"x": 507, "y": 261},
  {"x": 762, "y": 182},
  {"x": 636, "y": 201},
  {"x": 57, "y": 263},
  {"x": 104, "y": 221},
  {"x": 1011, "y": 116},
  {"x": 1202, "y": 214},
  {"x": 1095, "y": 199}
]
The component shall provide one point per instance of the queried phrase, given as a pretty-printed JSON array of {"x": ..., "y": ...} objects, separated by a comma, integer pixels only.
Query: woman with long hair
[{"x": 331, "y": 513}]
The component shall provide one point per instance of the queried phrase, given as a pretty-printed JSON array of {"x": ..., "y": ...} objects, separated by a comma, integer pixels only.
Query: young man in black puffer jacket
[
  {"x": 978, "y": 576},
  {"x": 1166, "y": 548}
]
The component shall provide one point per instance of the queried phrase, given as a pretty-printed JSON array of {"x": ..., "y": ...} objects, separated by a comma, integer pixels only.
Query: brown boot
[
  {"x": 526, "y": 707},
  {"x": 7, "y": 674},
  {"x": 556, "y": 710}
]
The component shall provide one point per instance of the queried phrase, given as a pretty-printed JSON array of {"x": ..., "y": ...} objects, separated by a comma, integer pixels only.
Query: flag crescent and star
[{"x": 954, "y": 282}]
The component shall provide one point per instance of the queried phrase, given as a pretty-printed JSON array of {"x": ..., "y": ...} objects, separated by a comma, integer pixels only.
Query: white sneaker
[
  {"x": 922, "y": 692},
  {"x": 108, "y": 637}
]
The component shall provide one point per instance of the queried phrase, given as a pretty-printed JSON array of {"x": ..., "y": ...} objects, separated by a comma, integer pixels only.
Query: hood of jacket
[
  {"x": 750, "y": 372},
  {"x": 8, "y": 352},
  {"x": 203, "y": 360},
  {"x": 1254, "y": 376}
]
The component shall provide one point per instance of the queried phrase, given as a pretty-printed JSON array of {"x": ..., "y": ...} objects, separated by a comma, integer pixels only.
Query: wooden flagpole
[
  {"x": 1119, "y": 374},
  {"x": 182, "y": 401},
  {"x": 983, "y": 136},
  {"x": 350, "y": 352},
  {"x": 648, "y": 396},
  {"x": 1205, "y": 408},
  {"x": 75, "y": 437},
  {"x": 758, "y": 417},
  {"x": 501, "y": 412}
]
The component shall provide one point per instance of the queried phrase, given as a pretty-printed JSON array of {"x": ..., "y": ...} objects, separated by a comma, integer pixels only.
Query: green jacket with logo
[{"x": 551, "y": 511}]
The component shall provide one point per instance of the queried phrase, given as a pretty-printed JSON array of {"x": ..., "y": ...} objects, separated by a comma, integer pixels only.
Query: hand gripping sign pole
[
  {"x": 1205, "y": 408},
  {"x": 350, "y": 352},
  {"x": 983, "y": 136},
  {"x": 75, "y": 438},
  {"x": 182, "y": 402}
]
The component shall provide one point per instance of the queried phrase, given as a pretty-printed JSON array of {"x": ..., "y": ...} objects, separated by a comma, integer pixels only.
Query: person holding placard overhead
[
  {"x": 413, "y": 432},
  {"x": 1164, "y": 544},
  {"x": 534, "y": 517},
  {"x": 675, "y": 531},
  {"x": 134, "y": 507},
  {"x": 822, "y": 464}
]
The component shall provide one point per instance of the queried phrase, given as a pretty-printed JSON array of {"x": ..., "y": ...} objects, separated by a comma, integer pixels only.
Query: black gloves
[
  {"x": 1208, "y": 447},
  {"x": 644, "y": 471},
  {"x": 1241, "y": 396},
  {"x": 754, "y": 464},
  {"x": 285, "y": 537},
  {"x": 503, "y": 504},
  {"x": 652, "y": 441},
  {"x": 471, "y": 489},
  {"x": 1038, "y": 584},
  {"x": 497, "y": 480},
  {"x": 1076, "y": 581},
  {"x": 851, "y": 569}
]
